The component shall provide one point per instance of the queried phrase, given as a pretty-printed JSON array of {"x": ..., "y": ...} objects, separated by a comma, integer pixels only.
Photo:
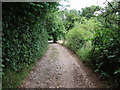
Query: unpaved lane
[{"x": 59, "y": 68}]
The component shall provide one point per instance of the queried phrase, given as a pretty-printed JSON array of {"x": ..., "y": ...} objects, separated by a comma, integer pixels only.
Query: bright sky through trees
[{"x": 78, "y": 4}]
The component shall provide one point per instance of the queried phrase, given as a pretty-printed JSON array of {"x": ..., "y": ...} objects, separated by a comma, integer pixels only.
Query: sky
[{"x": 78, "y": 4}]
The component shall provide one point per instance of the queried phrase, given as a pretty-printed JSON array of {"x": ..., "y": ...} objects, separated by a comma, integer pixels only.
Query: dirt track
[{"x": 60, "y": 68}]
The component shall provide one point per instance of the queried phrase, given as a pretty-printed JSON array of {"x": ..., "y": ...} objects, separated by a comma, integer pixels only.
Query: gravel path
[{"x": 60, "y": 68}]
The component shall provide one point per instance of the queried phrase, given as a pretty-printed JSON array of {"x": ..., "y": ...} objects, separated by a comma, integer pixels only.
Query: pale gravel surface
[{"x": 60, "y": 68}]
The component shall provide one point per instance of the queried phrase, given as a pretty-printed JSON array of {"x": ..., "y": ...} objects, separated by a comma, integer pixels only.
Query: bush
[
  {"x": 104, "y": 51},
  {"x": 84, "y": 52},
  {"x": 79, "y": 38},
  {"x": 24, "y": 39},
  {"x": 24, "y": 36},
  {"x": 105, "y": 55}
]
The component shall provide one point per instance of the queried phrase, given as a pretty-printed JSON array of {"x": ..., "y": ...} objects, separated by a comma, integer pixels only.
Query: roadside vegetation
[
  {"x": 25, "y": 39},
  {"x": 96, "y": 40},
  {"x": 93, "y": 34}
]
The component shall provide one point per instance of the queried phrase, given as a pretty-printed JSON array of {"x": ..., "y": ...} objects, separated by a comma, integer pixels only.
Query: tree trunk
[{"x": 54, "y": 38}]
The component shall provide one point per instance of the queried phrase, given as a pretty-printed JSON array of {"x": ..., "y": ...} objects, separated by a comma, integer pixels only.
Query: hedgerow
[
  {"x": 106, "y": 45},
  {"x": 24, "y": 35},
  {"x": 105, "y": 55},
  {"x": 102, "y": 51}
]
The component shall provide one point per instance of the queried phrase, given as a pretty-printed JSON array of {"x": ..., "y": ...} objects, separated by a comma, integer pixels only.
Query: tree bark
[{"x": 54, "y": 38}]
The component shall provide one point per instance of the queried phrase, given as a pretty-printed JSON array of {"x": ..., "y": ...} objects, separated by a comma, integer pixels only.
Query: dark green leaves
[{"x": 24, "y": 33}]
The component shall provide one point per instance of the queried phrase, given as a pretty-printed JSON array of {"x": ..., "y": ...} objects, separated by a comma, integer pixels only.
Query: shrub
[
  {"x": 105, "y": 55},
  {"x": 79, "y": 38},
  {"x": 84, "y": 52},
  {"x": 24, "y": 36}
]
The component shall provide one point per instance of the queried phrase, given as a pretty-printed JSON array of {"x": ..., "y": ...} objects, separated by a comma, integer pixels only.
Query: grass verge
[{"x": 12, "y": 79}]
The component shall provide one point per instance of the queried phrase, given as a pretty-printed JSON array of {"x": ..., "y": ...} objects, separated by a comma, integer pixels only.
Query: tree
[
  {"x": 89, "y": 12},
  {"x": 54, "y": 26},
  {"x": 69, "y": 17}
]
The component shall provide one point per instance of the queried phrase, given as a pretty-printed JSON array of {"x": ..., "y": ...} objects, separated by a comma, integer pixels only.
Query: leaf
[
  {"x": 111, "y": 56},
  {"x": 117, "y": 71}
]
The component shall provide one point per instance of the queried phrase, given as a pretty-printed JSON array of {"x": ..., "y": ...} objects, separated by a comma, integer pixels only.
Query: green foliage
[
  {"x": 84, "y": 52},
  {"x": 13, "y": 79},
  {"x": 105, "y": 54},
  {"x": 106, "y": 45},
  {"x": 78, "y": 39},
  {"x": 89, "y": 12},
  {"x": 69, "y": 18},
  {"x": 55, "y": 26},
  {"x": 96, "y": 40},
  {"x": 24, "y": 37}
]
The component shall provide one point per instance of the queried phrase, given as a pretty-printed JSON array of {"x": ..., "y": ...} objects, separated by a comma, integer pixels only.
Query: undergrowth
[{"x": 13, "y": 79}]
